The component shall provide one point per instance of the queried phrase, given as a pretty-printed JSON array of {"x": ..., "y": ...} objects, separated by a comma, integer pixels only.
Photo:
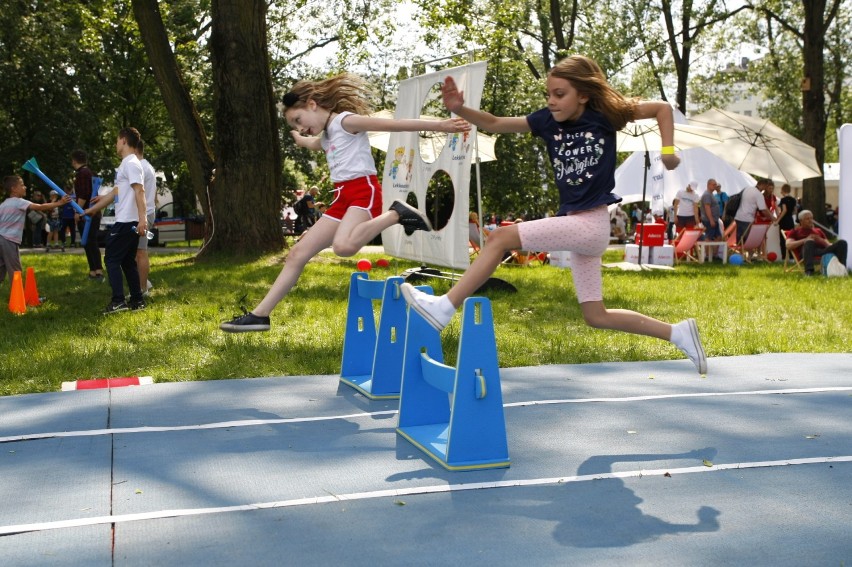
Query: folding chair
[
  {"x": 752, "y": 244},
  {"x": 474, "y": 249},
  {"x": 685, "y": 244},
  {"x": 730, "y": 236},
  {"x": 793, "y": 257},
  {"x": 525, "y": 258}
]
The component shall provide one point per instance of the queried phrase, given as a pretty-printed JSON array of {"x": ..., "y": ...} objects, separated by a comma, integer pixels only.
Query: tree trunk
[
  {"x": 182, "y": 112},
  {"x": 813, "y": 101},
  {"x": 246, "y": 194}
]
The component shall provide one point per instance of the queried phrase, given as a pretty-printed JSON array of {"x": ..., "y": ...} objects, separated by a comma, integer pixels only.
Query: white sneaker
[
  {"x": 428, "y": 306},
  {"x": 685, "y": 337}
]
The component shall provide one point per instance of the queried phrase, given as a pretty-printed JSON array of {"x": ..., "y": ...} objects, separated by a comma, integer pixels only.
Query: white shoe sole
[
  {"x": 407, "y": 293},
  {"x": 701, "y": 363},
  {"x": 243, "y": 328}
]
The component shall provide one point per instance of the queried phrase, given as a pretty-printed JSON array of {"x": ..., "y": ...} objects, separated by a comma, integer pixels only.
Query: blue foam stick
[
  {"x": 31, "y": 165},
  {"x": 96, "y": 185}
]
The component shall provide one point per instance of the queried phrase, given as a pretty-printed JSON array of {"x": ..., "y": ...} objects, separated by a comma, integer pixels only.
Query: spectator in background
[
  {"x": 38, "y": 220},
  {"x": 686, "y": 207},
  {"x": 752, "y": 204},
  {"x": 67, "y": 222},
  {"x": 830, "y": 217},
  {"x": 710, "y": 212},
  {"x": 786, "y": 214},
  {"x": 53, "y": 223},
  {"x": 476, "y": 235},
  {"x": 617, "y": 231},
  {"x": 767, "y": 187},
  {"x": 812, "y": 242},
  {"x": 722, "y": 198},
  {"x": 149, "y": 182},
  {"x": 83, "y": 192},
  {"x": 635, "y": 215}
]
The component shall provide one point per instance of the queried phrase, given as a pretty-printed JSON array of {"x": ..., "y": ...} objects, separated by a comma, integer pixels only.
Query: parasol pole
[{"x": 642, "y": 210}]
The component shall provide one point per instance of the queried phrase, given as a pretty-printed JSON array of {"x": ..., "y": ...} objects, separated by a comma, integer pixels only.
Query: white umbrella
[
  {"x": 432, "y": 143},
  {"x": 644, "y": 135},
  {"x": 696, "y": 164},
  {"x": 759, "y": 147}
]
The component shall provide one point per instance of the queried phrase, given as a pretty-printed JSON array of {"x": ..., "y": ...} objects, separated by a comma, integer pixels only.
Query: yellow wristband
[{"x": 667, "y": 150}]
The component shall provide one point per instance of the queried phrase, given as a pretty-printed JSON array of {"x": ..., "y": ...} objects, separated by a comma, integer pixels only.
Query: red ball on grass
[
  {"x": 364, "y": 265},
  {"x": 382, "y": 263},
  {"x": 772, "y": 256}
]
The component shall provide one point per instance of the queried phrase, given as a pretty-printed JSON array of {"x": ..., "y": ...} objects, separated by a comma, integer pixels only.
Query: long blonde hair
[
  {"x": 344, "y": 92},
  {"x": 587, "y": 77}
]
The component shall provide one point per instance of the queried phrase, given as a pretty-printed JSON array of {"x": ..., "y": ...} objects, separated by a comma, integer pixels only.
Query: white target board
[{"x": 407, "y": 172}]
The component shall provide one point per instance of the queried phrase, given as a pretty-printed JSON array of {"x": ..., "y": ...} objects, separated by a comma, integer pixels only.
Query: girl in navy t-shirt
[{"x": 579, "y": 126}]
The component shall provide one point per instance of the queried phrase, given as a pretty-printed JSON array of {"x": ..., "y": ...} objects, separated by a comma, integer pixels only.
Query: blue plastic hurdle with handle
[
  {"x": 372, "y": 360},
  {"x": 465, "y": 430}
]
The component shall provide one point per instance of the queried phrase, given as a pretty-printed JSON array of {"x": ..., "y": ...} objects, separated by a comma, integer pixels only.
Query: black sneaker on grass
[
  {"x": 410, "y": 218},
  {"x": 115, "y": 308},
  {"x": 137, "y": 305},
  {"x": 246, "y": 323}
]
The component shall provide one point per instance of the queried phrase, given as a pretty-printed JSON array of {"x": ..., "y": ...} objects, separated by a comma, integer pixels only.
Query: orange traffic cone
[
  {"x": 17, "y": 304},
  {"x": 31, "y": 289}
]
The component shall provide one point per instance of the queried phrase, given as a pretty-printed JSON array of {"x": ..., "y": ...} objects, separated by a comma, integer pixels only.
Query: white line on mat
[
  {"x": 399, "y": 492},
  {"x": 254, "y": 422}
]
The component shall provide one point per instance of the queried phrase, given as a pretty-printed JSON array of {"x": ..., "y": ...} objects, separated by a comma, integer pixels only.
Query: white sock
[
  {"x": 677, "y": 334},
  {"x": 445, "y": 307}
]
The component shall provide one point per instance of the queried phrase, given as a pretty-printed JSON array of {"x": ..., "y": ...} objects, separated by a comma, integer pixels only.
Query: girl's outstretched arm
[
  {"x": 355, "y": 123},
  {"x": 309, "y": 142},
  {"x": 454, "y": 101},
  {"x": 662, "y": 111}
]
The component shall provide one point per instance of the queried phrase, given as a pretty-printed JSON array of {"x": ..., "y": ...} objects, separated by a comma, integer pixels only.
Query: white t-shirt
[
  {"x": 128, "y": 173},
  {"x": 686, "y": 203},
  {"x": 150, "y": 184},
  {"x": 12, "y": 213},
  {"x": 750, "y": 202},
  {"x": 348, "y": 155}
]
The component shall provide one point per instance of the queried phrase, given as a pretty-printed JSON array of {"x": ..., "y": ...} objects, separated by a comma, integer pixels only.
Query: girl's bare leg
[
  {"x": 357, "y": 229},
  {"x": 318, "y": 238},
  {"x": 500, "y": 241},
  {"x": 598, "y": 316}
]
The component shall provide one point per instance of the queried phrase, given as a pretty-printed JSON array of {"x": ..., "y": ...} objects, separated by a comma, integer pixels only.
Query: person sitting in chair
[{"x": 810, "y": 241}]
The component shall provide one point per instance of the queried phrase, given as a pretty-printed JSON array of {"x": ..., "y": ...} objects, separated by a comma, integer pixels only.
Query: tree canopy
[{"x": 200, "y": 79}]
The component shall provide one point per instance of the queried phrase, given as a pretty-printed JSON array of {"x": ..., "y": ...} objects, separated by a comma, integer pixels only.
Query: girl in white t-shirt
[{"x": 332, "y": 116}]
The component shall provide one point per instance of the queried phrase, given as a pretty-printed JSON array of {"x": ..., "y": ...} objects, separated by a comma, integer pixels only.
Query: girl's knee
[
  {"x": 595, "y": 316},
  {"x": 345, "y": 249}
]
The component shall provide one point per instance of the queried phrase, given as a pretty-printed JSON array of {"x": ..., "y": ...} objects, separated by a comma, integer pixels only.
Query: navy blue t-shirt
[{"x": 582, "y": 154}]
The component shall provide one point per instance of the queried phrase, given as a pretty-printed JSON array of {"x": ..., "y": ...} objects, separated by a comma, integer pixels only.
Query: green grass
[{"x": 740, "y": 310}]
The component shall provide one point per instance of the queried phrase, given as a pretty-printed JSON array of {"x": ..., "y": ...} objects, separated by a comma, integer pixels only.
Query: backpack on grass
[{"x": 832, "y": 267}]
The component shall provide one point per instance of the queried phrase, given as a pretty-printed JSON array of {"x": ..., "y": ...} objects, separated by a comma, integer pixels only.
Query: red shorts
[{"x": 361, "y": 193}]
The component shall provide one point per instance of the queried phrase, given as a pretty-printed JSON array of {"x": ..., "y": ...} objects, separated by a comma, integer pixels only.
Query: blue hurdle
[
  {"x": 466, "y": 430},
  {"x": 372, "y": 361}
]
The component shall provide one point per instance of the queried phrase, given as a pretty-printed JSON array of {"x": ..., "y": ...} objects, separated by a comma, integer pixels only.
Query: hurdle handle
[{"x": 438, "y": 375}]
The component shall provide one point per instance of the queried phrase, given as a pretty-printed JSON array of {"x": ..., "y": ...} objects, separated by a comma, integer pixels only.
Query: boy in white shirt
[
  {"x": 131, "y": 223},
  {"x": 150, "y": 183}
]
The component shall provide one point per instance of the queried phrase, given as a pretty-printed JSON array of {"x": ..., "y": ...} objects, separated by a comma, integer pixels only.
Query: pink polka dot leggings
[{"x": 585, "y": 234}]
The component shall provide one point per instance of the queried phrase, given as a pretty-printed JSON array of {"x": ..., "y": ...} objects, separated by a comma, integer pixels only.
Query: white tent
[{"x": 696, "y": 164}]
